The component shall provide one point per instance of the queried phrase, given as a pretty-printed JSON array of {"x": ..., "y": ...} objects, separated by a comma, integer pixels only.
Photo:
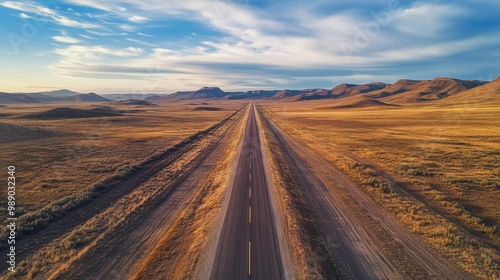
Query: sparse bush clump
[
  {"x": 383, "y": 185},
  {"x": 410, "y": 169}
]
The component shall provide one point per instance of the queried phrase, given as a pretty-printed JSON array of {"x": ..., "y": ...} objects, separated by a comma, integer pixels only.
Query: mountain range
[
  {"x": 63, "y": 95},
  {"x": 402, "y": 91}
]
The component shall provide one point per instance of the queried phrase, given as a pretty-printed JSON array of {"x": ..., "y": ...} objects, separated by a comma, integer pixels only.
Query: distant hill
[
  {"x": 253, "y": 94},
  {"x": 10, "y": 98},
  {"x": 404, "y": 91},
  {"x": 134, "y": 102},
  {"x": 489, "y": 92},
  {"x": 435, "y": 89},
  {"x": 72, "y": 113},
  {"x": 59, "y": 93},
  {"x": 398, "y": 87},
  {"x": 128, "y": 96},
  {"x": 89, "y": 97},
  {"x": 52, "y": 96},
  {"x": 203, "y": 93},
  {"x": 286, "y": 93}
]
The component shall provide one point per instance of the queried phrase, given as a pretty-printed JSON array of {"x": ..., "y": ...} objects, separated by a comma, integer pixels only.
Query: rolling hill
[
  {"x": 489, "y": 92},
  {"x": 51, "y": 96},
  {"x": 404, "y": 91}
]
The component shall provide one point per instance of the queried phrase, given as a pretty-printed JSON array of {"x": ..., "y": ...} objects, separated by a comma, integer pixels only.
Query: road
[{"x": 248, "y": 247}]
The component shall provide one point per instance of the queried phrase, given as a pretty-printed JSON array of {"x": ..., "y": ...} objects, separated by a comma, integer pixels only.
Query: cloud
[
  {"x": 138, "y": 19},
  {"x": 57, "y": 18},
  {"x": 23, "y": 15},
  {"x": 141, "y": 42},
  {"x": 144, "y": 35},
  {"x": 66, "y": 39},
  {"x": 80, "y": 53},
  {"x": 427, "y": 20}
]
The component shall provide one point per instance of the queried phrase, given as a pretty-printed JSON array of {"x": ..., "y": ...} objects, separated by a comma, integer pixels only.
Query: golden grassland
[
  {"x": 55, "y": 258},
  {"x": 55, "y": 158},
  {"x": 183, "y": 248},
  {"x": 435, "y": 167}
]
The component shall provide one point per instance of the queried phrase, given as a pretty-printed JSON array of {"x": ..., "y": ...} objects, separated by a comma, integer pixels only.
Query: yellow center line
[
  {"x": 250, "y": 192},
  {"x": 250, "y": 165},
  {"x": 249, "y": 258},
  {"x": 250, "y": 177},
  {"x": 250, "y": 215}
]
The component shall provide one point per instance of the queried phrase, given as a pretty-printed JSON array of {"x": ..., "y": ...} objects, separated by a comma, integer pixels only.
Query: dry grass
[
  {"x": 54, "y": 258},
  {"x": 58, "y": 158},
  {"x": 294, "y": 209},
  {"x": 180, "y": 251},
  {"x": 436, "y": 168}
]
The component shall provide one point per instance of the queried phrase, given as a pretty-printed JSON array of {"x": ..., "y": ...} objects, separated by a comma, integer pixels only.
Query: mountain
[
  {"x": 487, "y": 92},
  {"x": 9, "y": 98},
  {"x": 134, "y": 102},
  {"x": 202, "y": 93},
  {"x": 286, "y": 93},
  {"x": 134, "y": 96},
  {"x": 398, "y": 87},
  {"x": 53, "y": 96},
  {"x": 427, "y": 90},
  {"x": 253, "y": 94},
  {"x": 89, "y": 97},
  {"x": 403, "y": 91},
  {"x": 59, "y": 93},
  {"x": 353, "y": 89},
  {"x": 340, "y": 91}
]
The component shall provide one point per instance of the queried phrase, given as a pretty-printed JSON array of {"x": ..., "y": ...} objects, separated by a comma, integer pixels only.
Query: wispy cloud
[
  {"x": 141, "y": 42},
  {"x": 23, "y": 15},
  {"x": 138, "y": 19},
  {"x": 66, "y": 39},
  {"x": 31, "y": 7}
]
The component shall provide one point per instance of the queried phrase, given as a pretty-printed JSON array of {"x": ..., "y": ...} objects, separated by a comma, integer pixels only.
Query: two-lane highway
[{"x": 248, "y": 247}]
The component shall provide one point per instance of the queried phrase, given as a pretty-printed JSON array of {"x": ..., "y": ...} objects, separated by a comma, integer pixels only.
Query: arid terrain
[{"x": 371, "y": 181}]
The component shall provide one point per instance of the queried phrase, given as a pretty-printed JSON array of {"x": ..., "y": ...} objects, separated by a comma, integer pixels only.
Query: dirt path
[{"x": 346, "y": 215}]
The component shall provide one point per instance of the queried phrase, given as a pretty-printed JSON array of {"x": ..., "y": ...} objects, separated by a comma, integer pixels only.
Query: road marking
[
  {"x": 249, "y": 258},
  {"x": 250, "y": 192},
  {"x": 250, "y": 177},
  {"x": 250, "y": 165},
  {"x": 250, "y": 215}
]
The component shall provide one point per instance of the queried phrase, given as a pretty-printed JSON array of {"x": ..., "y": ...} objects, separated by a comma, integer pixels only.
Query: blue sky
[{"x": 163, "y": 46}]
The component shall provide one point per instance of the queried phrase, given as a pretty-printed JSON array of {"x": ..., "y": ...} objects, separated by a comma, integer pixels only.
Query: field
[
  {"x": 56, "y": 157},
  {"x": 435, "y": 168},
  {"x": 267, "y": 189}
]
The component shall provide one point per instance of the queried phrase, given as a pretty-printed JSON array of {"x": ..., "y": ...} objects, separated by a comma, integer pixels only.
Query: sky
[{"x": 157, "y": 46}]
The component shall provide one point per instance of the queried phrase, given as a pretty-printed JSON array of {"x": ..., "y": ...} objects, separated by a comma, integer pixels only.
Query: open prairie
[
  {"x": 433, "y": 167},
  {"x": 269, "y": 190},
  {"x": 60, "y": 154}
]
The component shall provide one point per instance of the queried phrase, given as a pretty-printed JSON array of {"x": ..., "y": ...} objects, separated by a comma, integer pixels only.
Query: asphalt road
[{"x": 248, "y": 247}]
